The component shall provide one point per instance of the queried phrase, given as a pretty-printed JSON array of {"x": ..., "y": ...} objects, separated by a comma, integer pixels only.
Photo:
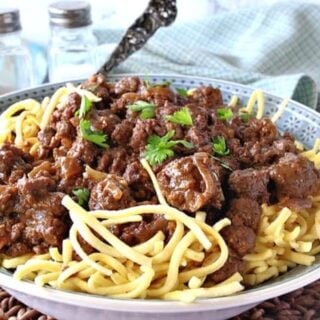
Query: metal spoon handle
[{"x": 159, "y": 13}]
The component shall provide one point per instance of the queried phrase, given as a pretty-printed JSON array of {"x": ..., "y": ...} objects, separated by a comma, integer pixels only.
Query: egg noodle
[{"x": 173, "y": 270}]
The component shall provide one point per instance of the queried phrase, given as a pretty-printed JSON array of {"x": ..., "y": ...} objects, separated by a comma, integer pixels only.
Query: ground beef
[
  {"x": 112, "y": 193},
  {"x": 128, "y": 84},
  {"x": 138, "y": 181},
  {"x": 122, "y": 132},
  {"x": 14, "y": 163},
  {"x": 142, "y": 130},
  {"x": 72, "y": 105},
  {"x": 263, "y": 166},
  {"x": 84, "y": 150},
  {"x": 34, "y": 189},
  {"x": 139, "y": 232},
  {"x": 32, "y": 217},
  {"x": 8, "y": 199},
  {"x": 120, "y": 106},
  {"x": 189, "y": 185},
  {"x": 232, "y": 266},
  {"x": 158, "y": 95},
  {"x": 244, "y": 212},
  {"x": 240, "y": 239},
  {"x": 206, "y": 97},
  {"x": 97, "y": 85},
  {"x": 198, "y": 137},
  {"x": 295, "y": 177},
  {"x": 113, "y": 161},
  {"x": 250, "y": 183},
  {"x": 104, "y": 120},
  {"x": 71, "y": 170},
  {"x": 258, "y": 130}
]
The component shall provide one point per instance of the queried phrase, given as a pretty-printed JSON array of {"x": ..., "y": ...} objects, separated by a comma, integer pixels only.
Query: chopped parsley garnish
[
  {"x": 245, "y": 116},
  {"x": 159, "y": 148},
  {"x": 97, "y": 137},
  {"x": 82, "y": 194},
  {"x": 224, "y": 113},
  {"x": 85, "y": 107},
  {"x": 147, "y": 109},
  {"x": 219, "y": 146},
  {"x": 148, "y": 84},
  {"x": 182, "y": 92},
  {"x": 181, "y": 116}
]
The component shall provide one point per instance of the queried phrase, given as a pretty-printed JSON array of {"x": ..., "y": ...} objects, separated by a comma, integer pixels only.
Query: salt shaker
[
  {"x": 15, "y": 58},
  {"x": 73, "y": 46}
]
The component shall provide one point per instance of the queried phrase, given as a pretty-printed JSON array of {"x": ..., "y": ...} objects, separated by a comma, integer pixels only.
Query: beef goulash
[{"x": 206, "y": 156}]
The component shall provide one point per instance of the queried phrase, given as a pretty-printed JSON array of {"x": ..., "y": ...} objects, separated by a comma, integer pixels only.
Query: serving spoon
[{"x": 159, "y": 13}]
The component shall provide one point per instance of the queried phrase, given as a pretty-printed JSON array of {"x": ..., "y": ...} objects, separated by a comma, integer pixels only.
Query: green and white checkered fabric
[{"x": 276, "y": 48}]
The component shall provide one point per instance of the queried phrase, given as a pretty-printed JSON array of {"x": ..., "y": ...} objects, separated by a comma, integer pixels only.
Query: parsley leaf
[
  {"x": 159, "y": 148},
  {"x": 219, "y": 146},
  {"x": 224, "y": 113},
  {"x": 85, "y": 107},
  {"x": 245, "y": 116},
  {"x": 97, "y": 137},
  {"x": 147, "y": 109},
  {"x": 181, "y": 116},
  {"x": 82, "y": 195},
  {"x": 182, "y": 92}
]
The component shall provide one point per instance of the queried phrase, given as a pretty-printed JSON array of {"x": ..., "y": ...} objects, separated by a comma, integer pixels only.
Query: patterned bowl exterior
[{"x": 301, "y": 121}]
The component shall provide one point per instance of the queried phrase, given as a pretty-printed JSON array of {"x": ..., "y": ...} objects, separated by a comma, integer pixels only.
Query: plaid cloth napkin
[{"x": 275, "y": 48}]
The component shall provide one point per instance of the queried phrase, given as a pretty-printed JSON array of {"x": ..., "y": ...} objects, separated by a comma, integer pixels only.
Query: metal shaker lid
[
  {"x": 9, "y": 20},
  {"x": 70, "y": 14}
]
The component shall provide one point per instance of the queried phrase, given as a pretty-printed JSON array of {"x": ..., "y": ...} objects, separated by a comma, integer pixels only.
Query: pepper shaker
[{"x": 73, "y": 46}]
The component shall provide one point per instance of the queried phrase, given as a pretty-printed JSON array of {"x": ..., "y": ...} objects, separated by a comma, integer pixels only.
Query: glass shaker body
[
  {"x": 15, "y": 63},
  {"x": 72, "y": 53}
]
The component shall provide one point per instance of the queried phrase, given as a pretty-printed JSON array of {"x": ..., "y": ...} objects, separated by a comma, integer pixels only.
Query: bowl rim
[{"x": 254, "y": 296}]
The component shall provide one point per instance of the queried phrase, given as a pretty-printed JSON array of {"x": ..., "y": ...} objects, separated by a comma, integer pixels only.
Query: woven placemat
[{"x": 302, "y": 304}]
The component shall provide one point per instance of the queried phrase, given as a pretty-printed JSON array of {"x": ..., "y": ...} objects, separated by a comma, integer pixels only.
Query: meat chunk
[
  {"x": 72, "y": 105},
  {"x": 14, "y": 163},
  {"x": 295, "y": 177},
  {"x": 70, "y": 169},
  {"x": 159, "y": 95},
  {"x": 119, "y": 106},
  {"x": 113, "y": 161},
  {"x": 98, "y": 85},
  {"x": 83, "y": 150},
  {"x": 33, "y": 218},
  {"x": 112, "y": 193},
  {"x": 127, "y": 84},
  {"x": 8, "y": 199},
  {"x": 47, "y": 224},
  {"x": 142, "y": 130},
  {"x": 244, "y": 212},
  {"x": 189, "y": 184},
  {"x": 263, "y": 130},
  {"x": 139, "y": 232},
  {"x": 207, "y": 97},
  {"x": 240, "y": 239},
  {"x": 138, "y": 181},
  {"x": 250, "y": 183},
  {"x": 34, "y": 189},
  {"x": 122, "y": 132},
  {"x": 232, "y": 266},
  {"x": 104, "y": 120}
]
